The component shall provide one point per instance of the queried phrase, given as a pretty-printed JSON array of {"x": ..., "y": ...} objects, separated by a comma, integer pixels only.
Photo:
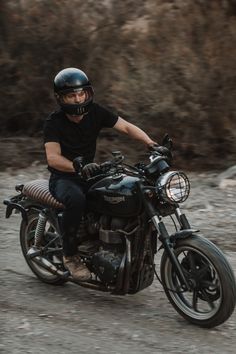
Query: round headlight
[{"x": 173, "y": 187}]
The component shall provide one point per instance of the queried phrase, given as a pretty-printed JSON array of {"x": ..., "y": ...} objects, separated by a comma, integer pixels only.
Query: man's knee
[
  {"x": 75, "y": 199},
  {"x": 70, "y": 194}
]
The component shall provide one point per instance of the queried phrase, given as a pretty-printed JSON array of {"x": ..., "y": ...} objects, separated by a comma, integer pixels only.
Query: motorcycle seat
[{"x": 39, "y": 191}]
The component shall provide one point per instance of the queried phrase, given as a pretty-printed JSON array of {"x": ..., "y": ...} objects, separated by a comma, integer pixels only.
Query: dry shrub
[{"x": 164, "y": 65}]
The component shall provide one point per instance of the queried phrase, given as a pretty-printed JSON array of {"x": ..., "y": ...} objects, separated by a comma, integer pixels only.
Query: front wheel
[{"x": 211, "y": 298}]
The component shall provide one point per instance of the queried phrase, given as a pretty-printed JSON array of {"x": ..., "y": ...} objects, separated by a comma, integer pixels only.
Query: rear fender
[
  {"x": 14, "y": 204},
  {"x": 21, "y": 204}
]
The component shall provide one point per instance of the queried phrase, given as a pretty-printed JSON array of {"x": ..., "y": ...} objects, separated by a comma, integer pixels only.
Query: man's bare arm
[
  {"x": 55, "y": 158},
  {"x": 134, "y": 132}
]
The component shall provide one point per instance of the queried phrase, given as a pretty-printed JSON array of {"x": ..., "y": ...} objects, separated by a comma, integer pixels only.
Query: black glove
[
  {"x": 162, "y": 150},
  {"x": 78, "y": 164},
  {"x": 90, "y": 170}
]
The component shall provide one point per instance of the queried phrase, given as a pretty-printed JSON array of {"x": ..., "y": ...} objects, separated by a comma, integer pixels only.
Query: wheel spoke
[
  {"x": 207, "y": 299},
  {"x": 192, "y": 261},
  {"x": 209, "y": 285},
  {"x": 195, "y": 300}
]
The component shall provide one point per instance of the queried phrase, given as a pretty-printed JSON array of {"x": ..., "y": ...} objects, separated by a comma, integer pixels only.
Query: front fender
[{"x": 182, "y": 234}]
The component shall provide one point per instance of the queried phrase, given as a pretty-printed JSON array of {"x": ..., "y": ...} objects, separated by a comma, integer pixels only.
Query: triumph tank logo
[{"x": 114, "y": 200}]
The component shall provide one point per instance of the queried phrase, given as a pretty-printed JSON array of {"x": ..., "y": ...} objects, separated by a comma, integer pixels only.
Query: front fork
[
  {"x": 168, "y": 246},
  {"x": 164, "y": 236}
]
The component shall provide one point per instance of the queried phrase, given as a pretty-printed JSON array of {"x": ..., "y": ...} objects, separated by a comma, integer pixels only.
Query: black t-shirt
[{"x": 78, "y": 139}]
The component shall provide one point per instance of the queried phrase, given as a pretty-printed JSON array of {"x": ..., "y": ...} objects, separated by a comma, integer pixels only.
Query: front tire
[
  {"x": 27, "y": 232},
  {"x": 211, "y": 300}
]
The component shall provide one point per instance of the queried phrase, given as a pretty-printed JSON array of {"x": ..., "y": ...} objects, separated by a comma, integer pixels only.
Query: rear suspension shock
[{"x": 39, "y": 231}]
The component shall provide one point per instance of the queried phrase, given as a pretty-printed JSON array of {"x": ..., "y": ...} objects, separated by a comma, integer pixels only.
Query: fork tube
[
  {"x": 163, "y": 234},
  {"x": 182, "y": 219},
  {"x": 165, "y": 239}
]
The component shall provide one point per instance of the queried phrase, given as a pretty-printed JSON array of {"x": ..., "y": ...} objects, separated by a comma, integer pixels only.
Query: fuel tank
[{"x": 116, "y": 196}]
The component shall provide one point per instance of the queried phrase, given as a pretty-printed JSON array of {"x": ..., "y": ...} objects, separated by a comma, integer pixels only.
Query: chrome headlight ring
[{"x": 173, "y": 187}]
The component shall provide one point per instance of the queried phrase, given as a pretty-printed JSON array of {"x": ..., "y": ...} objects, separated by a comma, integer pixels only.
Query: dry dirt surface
[{"x": 38, "y": 318}]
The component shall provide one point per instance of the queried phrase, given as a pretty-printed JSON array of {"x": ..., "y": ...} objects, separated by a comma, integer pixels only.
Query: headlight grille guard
[{"x": 173, "y": 187}]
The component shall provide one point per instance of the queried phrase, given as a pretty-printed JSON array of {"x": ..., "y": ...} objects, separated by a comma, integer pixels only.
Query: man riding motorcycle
[
  {"x": 70, "y": 132},
  {"x": 128, "y": 215}
]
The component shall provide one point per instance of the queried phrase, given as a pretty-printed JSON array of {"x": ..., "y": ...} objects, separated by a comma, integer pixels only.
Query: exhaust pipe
[{"x": 34, "y": 255}]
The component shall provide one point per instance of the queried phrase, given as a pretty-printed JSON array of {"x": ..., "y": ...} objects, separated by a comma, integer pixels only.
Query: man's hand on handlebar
[
  {"x": 162, "y": 150},
  {"x": 90, "y": 170}
]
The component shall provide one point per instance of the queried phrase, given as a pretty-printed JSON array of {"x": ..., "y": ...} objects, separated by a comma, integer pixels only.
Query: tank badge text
[{"x": 114, "y": 200}]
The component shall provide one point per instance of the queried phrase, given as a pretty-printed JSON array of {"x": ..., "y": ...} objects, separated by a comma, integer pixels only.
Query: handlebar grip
[{"x": 105, "y": 166}]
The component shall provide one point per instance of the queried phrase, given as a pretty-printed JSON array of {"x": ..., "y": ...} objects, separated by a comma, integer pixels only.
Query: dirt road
[{"x": 38, "y": 318}]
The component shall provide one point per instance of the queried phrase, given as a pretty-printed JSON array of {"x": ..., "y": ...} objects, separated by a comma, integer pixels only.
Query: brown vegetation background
[{"x": 167, "y": 66}]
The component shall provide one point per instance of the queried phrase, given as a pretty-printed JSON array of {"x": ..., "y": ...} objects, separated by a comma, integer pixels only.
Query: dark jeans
[{"x": 70, "y": 191}]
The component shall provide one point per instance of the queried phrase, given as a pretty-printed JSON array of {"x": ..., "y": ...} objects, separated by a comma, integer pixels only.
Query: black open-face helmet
[{"x": 73, "y": 80}]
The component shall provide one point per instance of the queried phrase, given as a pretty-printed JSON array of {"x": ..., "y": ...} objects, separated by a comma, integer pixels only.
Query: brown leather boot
[{"x": 77, "y": 269}]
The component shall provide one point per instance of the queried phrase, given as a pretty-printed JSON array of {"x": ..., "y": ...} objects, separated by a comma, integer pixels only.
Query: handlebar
[{"x": 116, "y": 165}]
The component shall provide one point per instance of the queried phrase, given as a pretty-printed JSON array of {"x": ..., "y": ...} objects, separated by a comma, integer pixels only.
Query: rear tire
[
  {"x": 211, "y": 300},
  {"x": 27, "y": 232}
]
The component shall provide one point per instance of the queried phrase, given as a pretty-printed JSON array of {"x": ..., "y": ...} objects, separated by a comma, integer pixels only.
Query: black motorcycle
[{"x": 121, "y": 232}]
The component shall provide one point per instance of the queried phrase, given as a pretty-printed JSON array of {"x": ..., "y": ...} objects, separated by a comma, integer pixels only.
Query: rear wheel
[
  {"x": 27, "y": 232},
  {"x": 211, "y": 298}
]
